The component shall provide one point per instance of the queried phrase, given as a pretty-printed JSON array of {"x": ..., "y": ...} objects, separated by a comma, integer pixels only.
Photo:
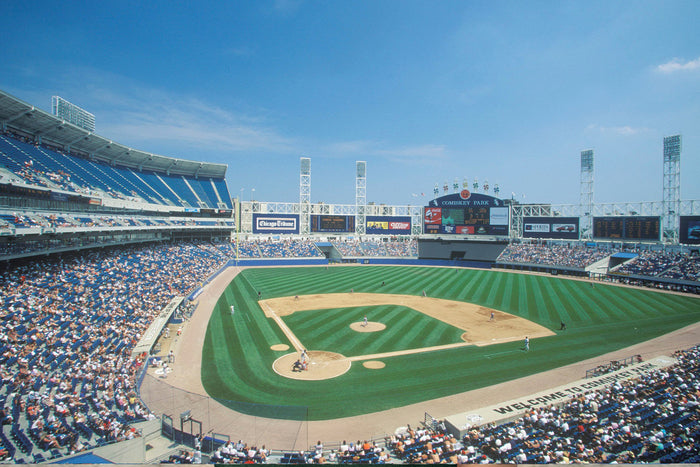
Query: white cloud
[
  {"x": 426, "y": 153},
  {"x": 625, "y": 130},
  {"x": 677, "y": 64},
  {"x": 147, "y": 118}
]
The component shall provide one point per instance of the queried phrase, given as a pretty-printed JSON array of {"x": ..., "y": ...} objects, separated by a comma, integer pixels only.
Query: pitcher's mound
[
  {"x": 322, "y": 365},
  {"x": 371, "y": 326}
]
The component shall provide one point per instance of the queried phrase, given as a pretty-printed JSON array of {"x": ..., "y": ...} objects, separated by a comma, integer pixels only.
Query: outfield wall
[
  {"x": 372, "y": 261},
  {"x": 469, "y": 250}
]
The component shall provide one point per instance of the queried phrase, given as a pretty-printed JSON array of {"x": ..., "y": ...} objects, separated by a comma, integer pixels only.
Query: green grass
[
  {"x": 329, "y": 330},
  {"x": 237, "y": 359}
]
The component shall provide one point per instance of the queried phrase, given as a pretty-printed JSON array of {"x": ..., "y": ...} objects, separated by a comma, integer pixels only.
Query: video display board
[
  {"x": 388, "y": 225},
  {"x": 565, "y": 228},
  {"x": 276, "y": 223},
  {"x": 627, "y": 227},
  {"x": 466, "y": 213},
  {"x": 689, "y": 232},
  {"x": 331, "y": 223}
]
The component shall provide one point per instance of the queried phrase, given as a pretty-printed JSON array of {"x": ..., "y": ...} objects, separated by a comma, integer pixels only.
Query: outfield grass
[{"x": 237, "y": 359}]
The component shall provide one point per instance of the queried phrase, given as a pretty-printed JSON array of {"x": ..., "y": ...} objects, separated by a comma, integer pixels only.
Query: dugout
[{"x": 460, "y": 250}]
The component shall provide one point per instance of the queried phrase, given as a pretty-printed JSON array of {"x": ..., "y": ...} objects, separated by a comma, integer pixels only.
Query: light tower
[
  {"x": 672, "y": 188},
  {"x": 586, "y": 199},
  {"x": 305, "y": 196},
  {"x": 360, "y": 197}
]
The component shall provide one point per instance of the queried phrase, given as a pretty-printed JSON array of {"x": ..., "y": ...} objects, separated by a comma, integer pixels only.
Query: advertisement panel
[
  {"x": 689, "y": 232},
  {"x": 565, "y": 228},
  {"x": 388, "y": 225},
  {"x": 331, "y": 223},
  {"x": 466, "y": 213},
  {"x": 276, "y": 223}
]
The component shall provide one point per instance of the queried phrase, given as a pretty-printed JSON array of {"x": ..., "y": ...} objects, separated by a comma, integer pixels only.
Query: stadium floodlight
[
  {"x": 672, "y": 148},
  {"x": 71, "y": 113},
  {"x": 304, "y": 195},
  {"x": 360, "y": 196},
  {"x": 586, "y": 194},
  {"x": 672, "y": 188}
]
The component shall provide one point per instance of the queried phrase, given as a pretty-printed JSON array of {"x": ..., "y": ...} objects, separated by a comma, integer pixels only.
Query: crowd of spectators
[
  {"x": 572, "y": 256},
  {"x": 67, "y": 327},
  {"x": 23, "y": 166},
  {"x": 377, "y": 248},
  {"x": 288, "y": 248},
  {"x": 612, "y": 366},
  {"x": 655, "y": 283},
  {"x": 664, "y": 265},
  {"x": 239, "y": 453},
  {"x": 652, "y": 419},
  {"x": 63, "y": 220}
]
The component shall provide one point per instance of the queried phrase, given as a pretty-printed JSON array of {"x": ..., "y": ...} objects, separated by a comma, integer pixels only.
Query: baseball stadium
[{"x": 147, "y": 316}]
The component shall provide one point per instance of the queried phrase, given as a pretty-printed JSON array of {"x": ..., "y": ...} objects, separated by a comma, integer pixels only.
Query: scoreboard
[
  {"x": 466, "y": 213},
  {"x": 643, "y": 228},
  {"x": 466, "y": 216},
  {"x": 627, "y": 227},
  {"x": 330, "y": 223},
  {"x": 607, "y": 227}
]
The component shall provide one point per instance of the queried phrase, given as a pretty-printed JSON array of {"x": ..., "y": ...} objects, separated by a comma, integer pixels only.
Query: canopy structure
[{"x": 43, "y": 127}]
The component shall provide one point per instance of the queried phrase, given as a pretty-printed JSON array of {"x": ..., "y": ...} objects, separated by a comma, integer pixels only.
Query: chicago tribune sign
[
  {"x": 277, "y": 223},
  {"x": 271, "y": 223}
]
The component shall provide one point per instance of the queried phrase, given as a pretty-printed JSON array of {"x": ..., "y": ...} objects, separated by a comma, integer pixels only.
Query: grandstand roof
[{"x": 18, "y": 115}]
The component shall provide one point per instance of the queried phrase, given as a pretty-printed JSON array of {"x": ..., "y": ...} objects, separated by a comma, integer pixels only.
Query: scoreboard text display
[
  {"x": 466, "y": 213},
  {"x": 627, "y": 227},
  {"x": 330, "y": 223}
]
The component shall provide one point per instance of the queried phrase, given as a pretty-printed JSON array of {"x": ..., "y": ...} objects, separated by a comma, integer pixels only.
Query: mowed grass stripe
[
  {"x": 536, "y": 300},
  {"x": 449, "y": 284},
  {"x": 482, "y": 290},
  {"x": 624, "y": 306},
  {"x": 576, "y": 294},
  {"x": 558, "y": 311},
  {"x": 505, "y": 298},
  {"x": 469, "y": 284},
  {"x": 496, "y": 291}
]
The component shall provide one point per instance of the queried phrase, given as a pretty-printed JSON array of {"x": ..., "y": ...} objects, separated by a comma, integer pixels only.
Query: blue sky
[{"x": 424, "y": 91}]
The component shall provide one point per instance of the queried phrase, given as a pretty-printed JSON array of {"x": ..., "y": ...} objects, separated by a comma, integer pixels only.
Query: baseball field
[{"x": 428, "y": 333}]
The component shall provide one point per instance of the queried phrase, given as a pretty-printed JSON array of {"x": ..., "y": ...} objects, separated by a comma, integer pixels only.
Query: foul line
[
  {"x": 408, "y": 352},
  {"x": 285, "y": 329}
]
